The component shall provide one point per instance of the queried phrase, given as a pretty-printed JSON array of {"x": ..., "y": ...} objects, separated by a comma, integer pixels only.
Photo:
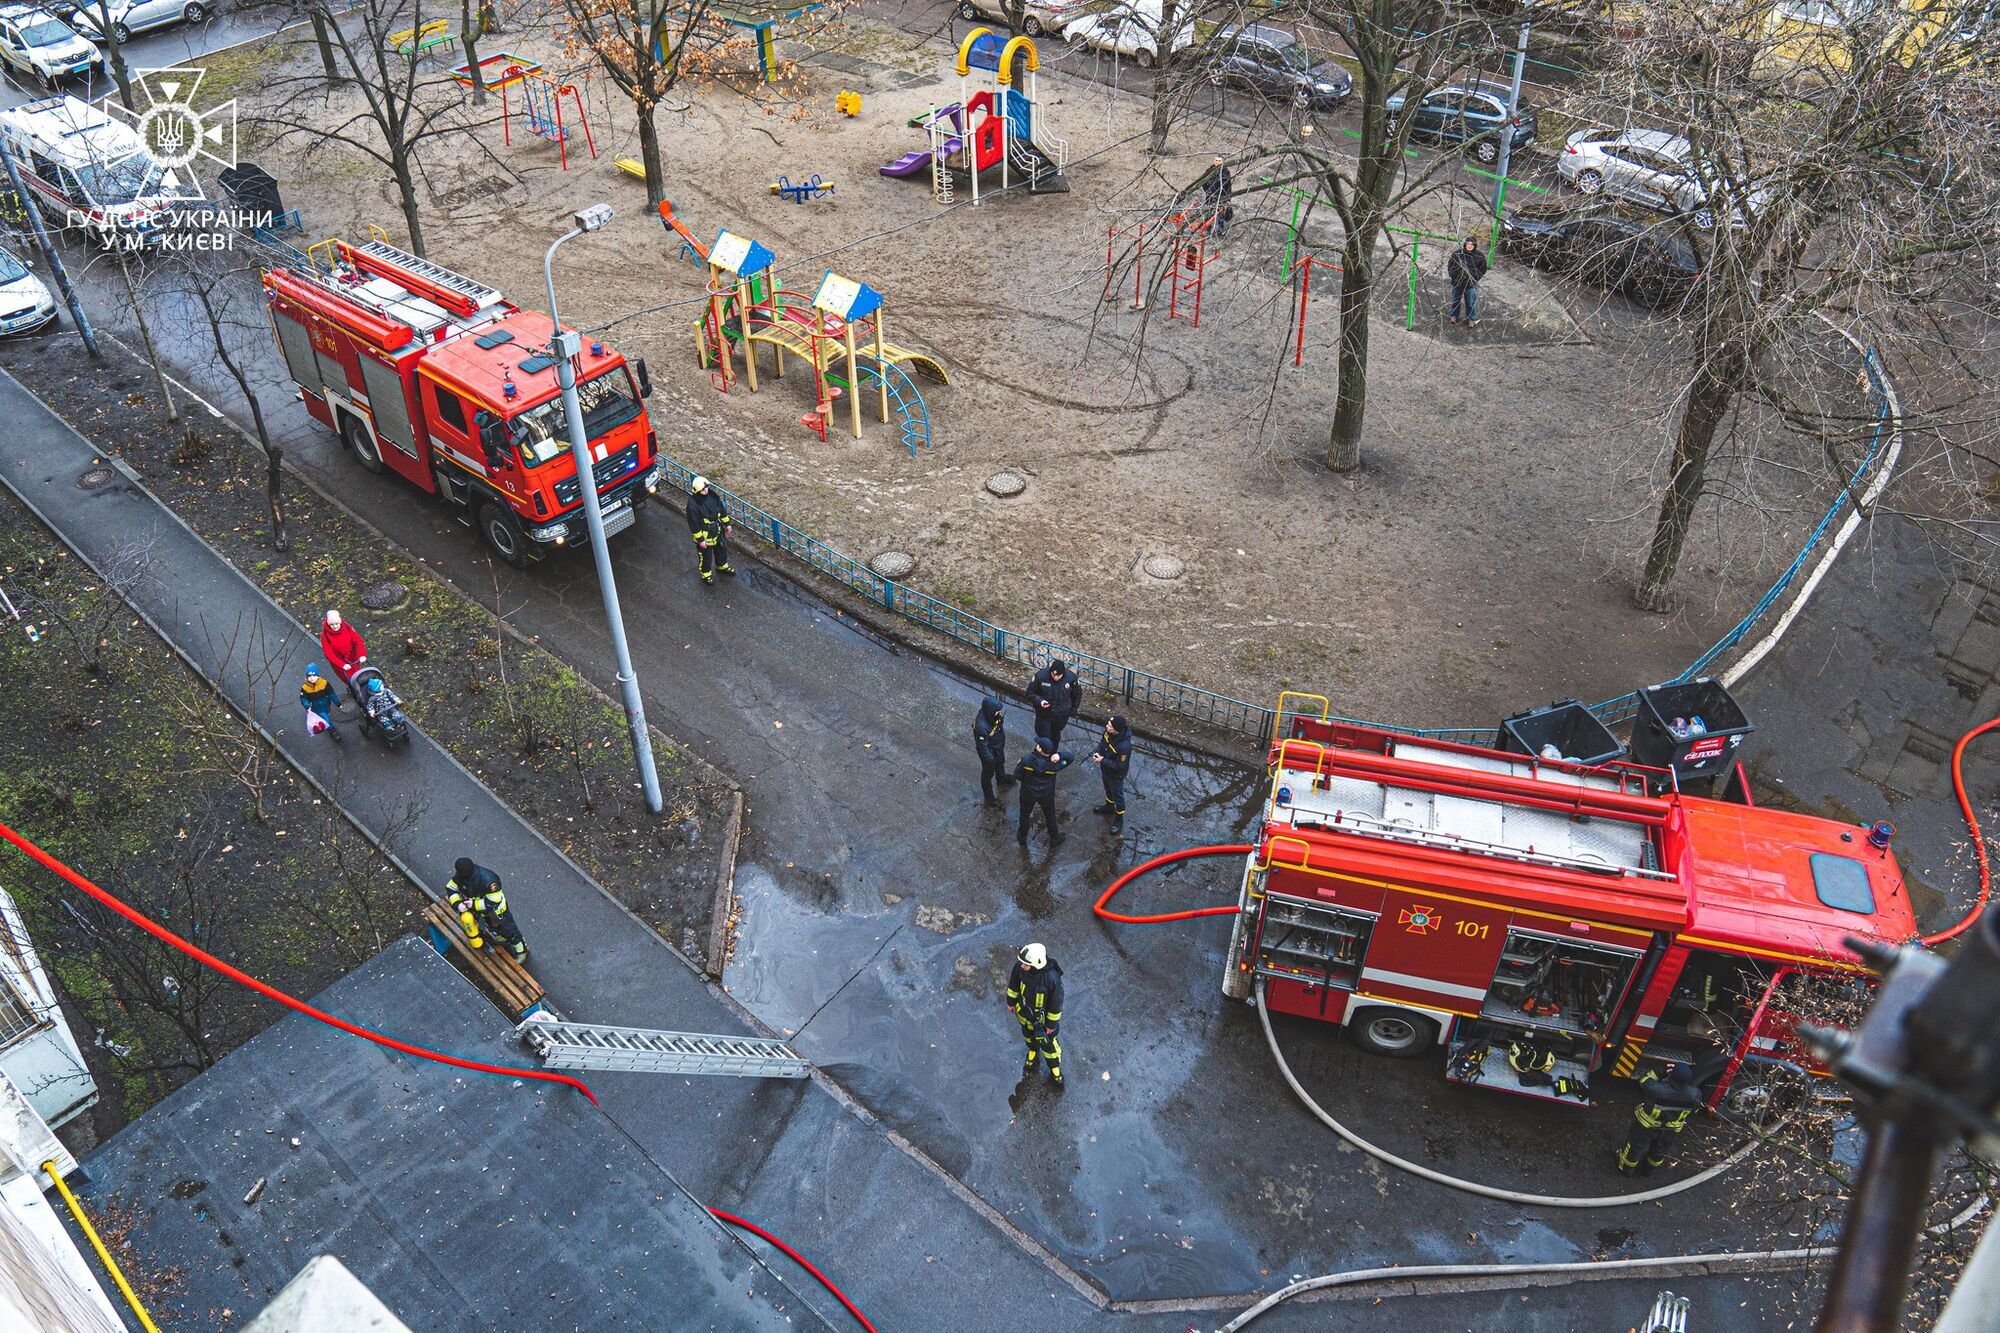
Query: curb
[{"x": 725, "y": 890}]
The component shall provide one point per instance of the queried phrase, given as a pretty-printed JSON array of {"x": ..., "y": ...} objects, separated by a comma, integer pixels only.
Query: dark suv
[
  {"x": 1274, "y": 62},
  {"x": 1469, "y": 115},
  {"x": 1647, "y": 258}
]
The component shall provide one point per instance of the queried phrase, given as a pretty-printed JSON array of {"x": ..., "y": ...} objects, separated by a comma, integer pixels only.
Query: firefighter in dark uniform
[
  {"x": 989, "y": 742},
  {"x": 1114, "y": 760},
  {"x": 1056, "y": 694},
  {"x": 1037, "y": 773},
  {"x": 1669, "y": 1103},
  {"x": 1035, "y": 996},
  {"x": 474, "y": 893},
  {"x": 708, "y": 523}
]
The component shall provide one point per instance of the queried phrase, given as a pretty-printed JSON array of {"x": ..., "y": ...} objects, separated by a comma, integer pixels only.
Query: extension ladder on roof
[
  {"x": 563, "y": 1045},
  {"x": 437, "y": 275}
]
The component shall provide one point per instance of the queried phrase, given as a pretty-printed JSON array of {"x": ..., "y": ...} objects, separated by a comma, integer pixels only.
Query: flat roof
[{"x": 462, "y": 1200}]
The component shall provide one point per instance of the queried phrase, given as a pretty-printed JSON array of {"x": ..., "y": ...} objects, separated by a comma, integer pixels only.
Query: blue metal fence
[{"x": 1130, "y": 684}]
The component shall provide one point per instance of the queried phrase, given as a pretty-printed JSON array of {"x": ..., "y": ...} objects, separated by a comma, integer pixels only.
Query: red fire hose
[
  {"x": 797, "y": 1258},
  {"x": 269, "y": 992},
  {"x": 1221, "y": 849},
  {"x": 1978, "y": 839}
]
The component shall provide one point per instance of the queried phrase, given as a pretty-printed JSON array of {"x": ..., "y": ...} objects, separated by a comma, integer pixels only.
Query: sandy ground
[{"x": 1480, "y": 562}]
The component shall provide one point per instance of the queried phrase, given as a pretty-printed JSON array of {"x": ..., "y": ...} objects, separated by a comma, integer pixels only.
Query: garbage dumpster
[
  {"x": 1695, "y": 728},
  {"x": 1571, "y": 728}
]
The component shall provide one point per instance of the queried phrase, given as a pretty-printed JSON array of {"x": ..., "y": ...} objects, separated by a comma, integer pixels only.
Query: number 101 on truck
[{"x": 442, "y": 380}]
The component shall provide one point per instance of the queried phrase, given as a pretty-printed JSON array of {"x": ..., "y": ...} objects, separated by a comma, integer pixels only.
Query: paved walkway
[{"x": 786, "y": 1154}]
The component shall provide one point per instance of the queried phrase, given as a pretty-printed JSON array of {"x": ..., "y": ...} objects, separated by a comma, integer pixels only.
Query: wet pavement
[{"x": 882, "y": 904}]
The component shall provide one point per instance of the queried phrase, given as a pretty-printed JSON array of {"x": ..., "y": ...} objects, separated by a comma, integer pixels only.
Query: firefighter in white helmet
[{"x": 1035, "y": 996}]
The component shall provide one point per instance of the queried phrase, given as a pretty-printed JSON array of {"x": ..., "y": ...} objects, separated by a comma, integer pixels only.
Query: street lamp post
[{"x": 568, "y": 345}]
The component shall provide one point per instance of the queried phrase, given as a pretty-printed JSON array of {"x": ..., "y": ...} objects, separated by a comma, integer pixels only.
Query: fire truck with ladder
[
  {"x": 440, "y": 379},
  {"x": 1448, "y": 898}
]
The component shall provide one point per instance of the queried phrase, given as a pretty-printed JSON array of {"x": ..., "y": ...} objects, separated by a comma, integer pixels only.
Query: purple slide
[{"x": 909, "y": 164}]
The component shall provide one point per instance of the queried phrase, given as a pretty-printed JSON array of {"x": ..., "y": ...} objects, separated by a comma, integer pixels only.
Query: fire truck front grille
[{"x": 613, "y": 470}]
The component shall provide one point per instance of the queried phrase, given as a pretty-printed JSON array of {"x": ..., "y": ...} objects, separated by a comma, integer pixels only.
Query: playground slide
[{"x": 909, "y": 164}]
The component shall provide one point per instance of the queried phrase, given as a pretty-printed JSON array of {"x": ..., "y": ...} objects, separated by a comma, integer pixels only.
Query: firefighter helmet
[{"x": 1034, "y": 957}]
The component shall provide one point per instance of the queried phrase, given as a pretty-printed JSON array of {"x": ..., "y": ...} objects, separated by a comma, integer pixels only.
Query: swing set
[{"x": 541, "y": 98}]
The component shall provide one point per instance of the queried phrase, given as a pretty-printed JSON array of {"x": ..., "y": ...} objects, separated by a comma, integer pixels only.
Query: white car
[
  {"x": 1039, "y": 16},
  {"x": 1651, "y": 168},
  {"x": 1126, "y": 32},
  {"x": 41, "y": 46},
  {"x": 128, "y": 17},
  {"x": 25, "y": 302}
]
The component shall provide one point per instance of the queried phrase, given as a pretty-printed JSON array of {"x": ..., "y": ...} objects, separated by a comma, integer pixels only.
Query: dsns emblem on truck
[{"x": 1420, "y": 920}]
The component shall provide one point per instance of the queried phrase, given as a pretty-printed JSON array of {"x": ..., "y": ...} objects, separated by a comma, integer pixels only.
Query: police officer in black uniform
[
  {"x": 1037, "y": 772},
  {"x": 989, "y": 742},
  {"x": 1056, "y": 694},
  {"x": 708, "y": 523},
  {"x": 1658, "y": 1120},
  {"x": 474, "y": 893},
  {"x": 1114, "y": 760}
]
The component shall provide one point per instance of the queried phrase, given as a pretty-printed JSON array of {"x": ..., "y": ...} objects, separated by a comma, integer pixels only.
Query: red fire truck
[
  {"x": 1424, "y": 894},
  {"x": 442, "y": 380}
]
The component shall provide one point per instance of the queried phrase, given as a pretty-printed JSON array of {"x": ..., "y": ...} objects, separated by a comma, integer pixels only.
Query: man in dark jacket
[
  {"x": 708, "y": 523},
  {"x": 474, "y": 893},
  {"x": 1056, "y": 694},
  {"x": 1035, "y": 998},
  {"x": 1466, "y": 268},
  {"x": 989, "y": 742},
  {"x": 1668, "y": 1104},
  {"x": 1217, "y": 190},
  {"x": 1037, "y": 772},
  {"x": 1114, "y": 760}
]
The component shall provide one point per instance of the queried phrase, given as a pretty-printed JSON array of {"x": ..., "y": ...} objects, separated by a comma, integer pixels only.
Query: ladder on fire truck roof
[
  {"x": 437, "y": 275},
  {"x": 564, "y": 1045}
]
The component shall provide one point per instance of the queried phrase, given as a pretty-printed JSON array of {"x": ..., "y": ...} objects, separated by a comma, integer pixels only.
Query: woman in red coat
[{"x": 341, "y": 642}]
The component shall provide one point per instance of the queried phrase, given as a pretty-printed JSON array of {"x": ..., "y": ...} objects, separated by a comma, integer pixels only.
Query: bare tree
[
  {"x": 1839, "y": 159},
  {"x": 379, "y": 100},
  {"x": 85, "y": 608},
  {"x": 218, "y": 301},
  {"x": 111, "y": 35},
  {"x": 250, "y": 657}
]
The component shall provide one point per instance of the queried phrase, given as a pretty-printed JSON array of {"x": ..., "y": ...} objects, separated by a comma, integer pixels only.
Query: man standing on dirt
[
  {"x": 1037, "y": 774},
  {"x": 474, "y": 893},
  {"x": 1057, "y": 694},
  {"x": 1035, "y": 998},
  {"x": 708, "y": 523},
  {"x": 1215, "y": 189},
  {"x": 1466, "y": 269}
]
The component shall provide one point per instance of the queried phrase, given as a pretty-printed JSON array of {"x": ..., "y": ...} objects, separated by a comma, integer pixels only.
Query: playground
[{"x": 878, "y": 348}]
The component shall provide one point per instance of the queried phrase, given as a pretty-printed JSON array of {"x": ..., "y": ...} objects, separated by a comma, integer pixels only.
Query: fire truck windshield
[{"x": 609, "y": 401}]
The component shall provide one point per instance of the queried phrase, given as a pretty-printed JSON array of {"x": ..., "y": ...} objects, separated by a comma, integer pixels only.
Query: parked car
[
  {"x": 38, "y": 44},
  {"x": 25, "y": 301},
  {"x": 1646, "y": 258},
  {"x": 1041, "y": 16},
  {"x": 1276, "y": 63},
  {"x": 1132, "y": 32},
  {"x": 129, "y": 17},
  {"x": 1472, "y": 115},
  {"x": 1651, "y": 168}
]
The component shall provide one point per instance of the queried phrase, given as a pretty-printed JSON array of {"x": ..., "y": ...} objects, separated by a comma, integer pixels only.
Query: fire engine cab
[
  {"x": 1431, "y": 896},
  {"x": 440, "y": 379}
]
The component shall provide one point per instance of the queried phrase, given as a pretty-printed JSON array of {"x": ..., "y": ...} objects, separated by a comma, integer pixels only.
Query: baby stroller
[{"x": 381, "y": 709}]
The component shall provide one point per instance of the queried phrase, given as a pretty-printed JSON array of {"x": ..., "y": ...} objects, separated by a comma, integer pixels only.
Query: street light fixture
[{"x": 567, "y": 346}]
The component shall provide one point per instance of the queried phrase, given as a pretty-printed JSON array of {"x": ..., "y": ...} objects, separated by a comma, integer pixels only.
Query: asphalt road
[{"x": 162, "y": 48}]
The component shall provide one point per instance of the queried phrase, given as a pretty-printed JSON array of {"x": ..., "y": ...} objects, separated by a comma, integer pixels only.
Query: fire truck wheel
[
  {"x": 1392, "y": 1032},
  {"x": 503, "y": 533},
  {"x": 361, "y": 442}
]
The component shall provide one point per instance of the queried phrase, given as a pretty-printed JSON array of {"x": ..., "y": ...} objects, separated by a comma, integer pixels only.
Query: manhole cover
[
  {"x": 94, "y": 477},
  {"x": 1163, "y": 567},
  {"x": 385, "y": 596},
  {"x": 894, "y": 564},
  {"x": 1005, "y": 484}
]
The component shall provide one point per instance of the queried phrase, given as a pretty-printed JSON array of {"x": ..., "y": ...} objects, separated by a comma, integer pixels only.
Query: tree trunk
[
  {"x": 1708, "y": 403},
  {"x": 274, "y": 476},
  {"x": 1357, "y": 287},
  {"x": 114, "y": 54},
  {"x": 324, "y": 41},
  {"x": 1164, "y": 70},
  {"x": 406, "y": 190},
  {"x": 146, "y": 338},
  {"x": 650, "y": 155},
  {"x": 468, "y": 36}
]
